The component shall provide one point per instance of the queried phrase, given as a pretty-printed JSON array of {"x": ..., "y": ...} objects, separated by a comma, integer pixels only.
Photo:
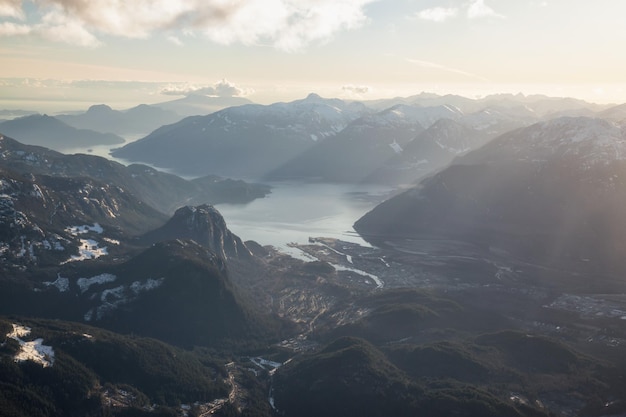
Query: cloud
[
  {"x": 224, "y": 88},
  {"x": 356, "y": 89},
  {"x": 479, "y": 9},
  {"x": 59, "y": 27},
  {"x": 438, "y": 14},
  {"x": 11, "y": 8},
  {"x": 433, "y": 65},
  {"x": 14, "y": 29},
  {"x": 285, "y": 24},
  {"x": 175, "y": 40}
]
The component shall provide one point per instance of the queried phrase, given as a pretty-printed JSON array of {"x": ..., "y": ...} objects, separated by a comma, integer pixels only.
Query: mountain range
[
  {"x": 552, "y": 192},
  {"x": 329, "y": 140},
  {"x": 245, "y": 141},
  {"x": 492, "y": 287},
  {"x": 44, "y": 130},
  {"x": 141, "y": 119},
  {"x": 165, "y": 192}
]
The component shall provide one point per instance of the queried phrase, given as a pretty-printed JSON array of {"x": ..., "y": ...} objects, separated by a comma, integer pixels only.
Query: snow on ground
[
  {"x": 34, "y": 351},
  {"x": 112, "y": 298},
  {"x": 85, "y": 283},
  {"x": 19, "y": 332},
  {"x": 79, "y": 230},
  {"x": 150, "y": 284},
  {"x": 88, "y": 249},
  {"x": 111, "y": 241},
  {"x": 62, "y": 284}
]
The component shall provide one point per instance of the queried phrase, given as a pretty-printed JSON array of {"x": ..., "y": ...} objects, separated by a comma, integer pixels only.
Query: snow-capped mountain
[
  {"x": 589, "y": 141},
  {"x": 430, "y": 151},
  {"x": 552, "y": 192},
  {"x": 361, "y": 147},
  {"x": 244, "y": 141},
  {"x": 414, "y": 115}
]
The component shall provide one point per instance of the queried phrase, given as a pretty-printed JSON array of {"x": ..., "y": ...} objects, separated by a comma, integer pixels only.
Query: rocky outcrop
[{"x": 203, "y": 224}]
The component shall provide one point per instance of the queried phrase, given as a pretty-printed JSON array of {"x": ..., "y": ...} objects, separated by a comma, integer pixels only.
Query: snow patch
[
  {"x": 79, "y": 230},
  {"x": 85, "y": 283},
  {"x": 396, "y": 147},
  {"x": 149, "y": 285},
  {"x": 61, "y": 283},
  {"x": 34, "y": 351},
  {"x": 88, "y": 249}
]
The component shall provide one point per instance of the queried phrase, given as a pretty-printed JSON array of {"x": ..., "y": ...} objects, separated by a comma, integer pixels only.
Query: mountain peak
[
  {"x": 99, "y": 108},
  {"x": 313, "y": 97},
  {"x": 203, "y": 224}
]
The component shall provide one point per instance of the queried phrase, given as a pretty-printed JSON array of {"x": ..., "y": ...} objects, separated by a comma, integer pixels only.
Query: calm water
[{"x": 293, "y": 212}]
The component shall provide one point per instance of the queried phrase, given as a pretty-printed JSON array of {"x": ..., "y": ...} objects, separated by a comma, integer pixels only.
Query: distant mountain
[
  {"x": 429, "y": 151},
  {"x": 245, "y": 141},
  {"x": 552, "y": 192},
  {"x": 52, "y": 133},
  {"x": 199, "y": 105},
  {"x": 616, "y": 113},
  {"x": 363, "y": 146},
  {"x": 392, "y": 146},
  {"x": 165, "y": 192},
  {"x": 12, "y": 114},
  {"x": 137, "y": 120},
  {"x": 541, "y": 105}
]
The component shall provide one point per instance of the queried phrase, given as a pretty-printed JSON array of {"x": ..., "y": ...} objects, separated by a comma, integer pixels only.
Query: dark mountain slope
[
  {"x": 165, "y": 192},
  {"x": 92, "y": 372},
  {"x": 45, "y": 221},
  {"x": 203, "y": 224},
  {"x": 176, "y": 291},
  {"x": 351, "y": 377},
  {"x": 552, "y": 192}
]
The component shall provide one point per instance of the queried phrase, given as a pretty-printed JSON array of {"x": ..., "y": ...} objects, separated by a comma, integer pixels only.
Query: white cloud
[
  {"x": 59, "y": 27},
  {"x": 438, "y": 14},
  {"x": 14, "y": 29},
  {"x": 175, "y": 40},
  {"x": 284, "y": 24},
  {"x": 479, "y": 9},
  {"x": 11, "y": 8},
  {"x": 357, "y": 90},
  {"x": 224, "y": 88}
]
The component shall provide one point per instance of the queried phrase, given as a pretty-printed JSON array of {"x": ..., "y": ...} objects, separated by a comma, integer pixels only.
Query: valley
[{"x": 414, "y": 258}]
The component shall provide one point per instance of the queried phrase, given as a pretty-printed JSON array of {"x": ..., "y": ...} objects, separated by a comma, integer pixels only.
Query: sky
[{"x": 60, "y": 55}]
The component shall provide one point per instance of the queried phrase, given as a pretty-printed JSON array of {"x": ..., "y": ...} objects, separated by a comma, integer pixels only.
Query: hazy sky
[{"x": 72, "y": 53}]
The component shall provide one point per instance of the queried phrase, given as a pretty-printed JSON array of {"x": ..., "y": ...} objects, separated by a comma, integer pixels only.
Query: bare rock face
[{"x": 203, "y": 224}]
